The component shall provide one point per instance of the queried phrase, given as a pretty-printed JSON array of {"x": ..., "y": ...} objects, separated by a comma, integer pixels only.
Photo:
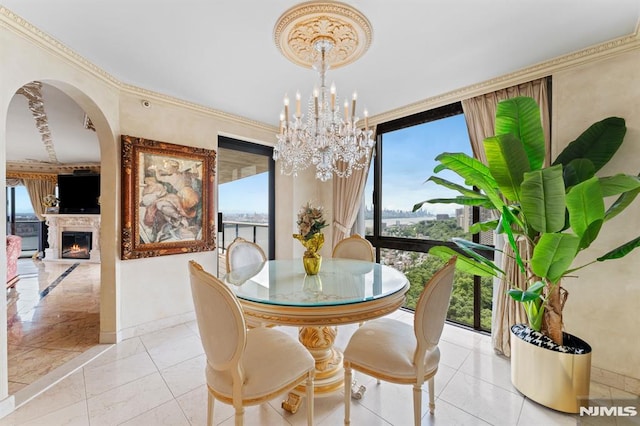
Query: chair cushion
[
  {"x": 387, "y": 346},
  {"x": 272, "y": 359}
]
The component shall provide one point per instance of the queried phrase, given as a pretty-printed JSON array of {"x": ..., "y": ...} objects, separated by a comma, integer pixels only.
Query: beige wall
[{"x": 603, "y": 302}]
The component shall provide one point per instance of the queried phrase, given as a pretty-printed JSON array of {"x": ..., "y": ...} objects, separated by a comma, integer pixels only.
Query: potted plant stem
[{"x": 557, "y": 210}]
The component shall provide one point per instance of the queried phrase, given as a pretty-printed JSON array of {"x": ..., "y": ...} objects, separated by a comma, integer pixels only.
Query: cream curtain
[
  {"x": 38, "y": 189},
  {"x": 347, "y": 196},
  {"x": 480, "y": 115},
  {"x": 480, "y": 112}
]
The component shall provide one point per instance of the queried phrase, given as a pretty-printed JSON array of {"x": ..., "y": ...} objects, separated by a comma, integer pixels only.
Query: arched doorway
[{"x": 53, "y": 128}]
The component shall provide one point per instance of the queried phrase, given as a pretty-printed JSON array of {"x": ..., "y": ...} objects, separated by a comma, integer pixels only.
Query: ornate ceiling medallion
[{"x": 299, "y": 29}]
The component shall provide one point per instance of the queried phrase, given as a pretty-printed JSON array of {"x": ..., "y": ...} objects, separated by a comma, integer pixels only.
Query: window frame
[{"x": 414, "y": 244}]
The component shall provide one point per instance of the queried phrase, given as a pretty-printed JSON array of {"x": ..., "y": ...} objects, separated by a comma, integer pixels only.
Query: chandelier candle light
[{"x": 328, "y": 138}]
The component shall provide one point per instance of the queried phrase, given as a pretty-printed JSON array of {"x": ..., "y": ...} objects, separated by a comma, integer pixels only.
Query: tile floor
[
  {"x": 53, "y": 315},
  {"x": 158, "y": 379}
]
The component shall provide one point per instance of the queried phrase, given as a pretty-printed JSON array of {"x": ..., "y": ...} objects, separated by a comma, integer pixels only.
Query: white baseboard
[{"x": 7, "y": 406}]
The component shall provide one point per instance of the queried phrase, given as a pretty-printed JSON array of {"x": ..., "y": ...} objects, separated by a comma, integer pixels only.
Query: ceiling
[{"x": 221, "y": 54}]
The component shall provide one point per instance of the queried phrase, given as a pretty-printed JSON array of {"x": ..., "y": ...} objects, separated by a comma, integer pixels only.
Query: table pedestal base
[{"x": 329, "y": 372}]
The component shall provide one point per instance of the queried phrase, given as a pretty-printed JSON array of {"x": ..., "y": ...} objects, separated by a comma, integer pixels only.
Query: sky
[
  {"x": 408, "y": 160},
  {"x": 247, "y": 195}
]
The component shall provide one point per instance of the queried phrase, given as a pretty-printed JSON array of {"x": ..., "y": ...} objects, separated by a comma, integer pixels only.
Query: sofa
[{"x": 14, "y": 247}]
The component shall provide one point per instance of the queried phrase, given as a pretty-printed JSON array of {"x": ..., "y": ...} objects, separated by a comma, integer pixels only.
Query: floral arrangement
[
  {"x": 310, "y": 221},
  {"x": 50, "y": 201}
]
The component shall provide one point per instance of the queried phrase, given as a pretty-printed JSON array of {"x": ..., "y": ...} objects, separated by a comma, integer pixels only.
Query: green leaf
[
  {"x": 507, "y": 220},
  {"x": 614, "y": 185},
  {"x": 620, "y": 204},
  {"x": 578, "y": 170},
  {"x": 520, "y": 116},
  {"x": 586, "y": 210},
  {"x": 590, "y": 234},
  {"x": 451, "y": 185},
  {"x": 507, "y": 162},
  {"x": 463, "y": 263},
  {"x": 553, "y": 255},
  {"x": 469, "y": 246},
  {"x": 473, "y": 172},
  {"x": 543, "y": 199},
  {"x": 532, "y": 293},
  {"x": 462, "y": 200},
  {"x": 621, "y": 251},
  {"x": 598, "y": 143},
  {"x": 489, "y": 225}
]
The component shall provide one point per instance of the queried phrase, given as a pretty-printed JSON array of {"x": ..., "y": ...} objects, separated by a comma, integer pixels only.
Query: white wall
[{"x": 603, "y": 302}]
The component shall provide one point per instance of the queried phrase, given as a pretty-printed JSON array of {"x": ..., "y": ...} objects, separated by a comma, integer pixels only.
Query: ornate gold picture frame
[{"x": 167, "y": 198}]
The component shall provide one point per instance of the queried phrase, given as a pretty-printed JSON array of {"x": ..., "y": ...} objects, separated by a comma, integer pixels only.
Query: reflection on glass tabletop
[{"x": 339, "y": 282}]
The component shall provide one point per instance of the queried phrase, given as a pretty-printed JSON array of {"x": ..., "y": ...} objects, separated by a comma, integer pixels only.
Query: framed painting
[{"x": 167, "y": 198}]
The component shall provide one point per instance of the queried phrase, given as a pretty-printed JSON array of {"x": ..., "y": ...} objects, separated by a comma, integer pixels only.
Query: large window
[
  {"x": 246, "y": 196},
  {"x": 21, "y": 219},
  {"x": 405, "y": 157}
]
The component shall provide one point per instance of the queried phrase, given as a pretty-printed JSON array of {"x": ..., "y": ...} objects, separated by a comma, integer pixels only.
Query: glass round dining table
[{"x": 345, "y": 291}]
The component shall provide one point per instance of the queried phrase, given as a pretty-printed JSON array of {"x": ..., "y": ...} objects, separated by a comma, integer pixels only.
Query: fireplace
[
  {"x": 76, "y": 245},
  {"x": 73, "y": 238}
]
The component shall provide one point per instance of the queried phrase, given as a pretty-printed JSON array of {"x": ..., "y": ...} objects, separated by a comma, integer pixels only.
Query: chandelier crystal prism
[
  {"x": 329, "y": 139},
  {"x": 326, "y": 135}
]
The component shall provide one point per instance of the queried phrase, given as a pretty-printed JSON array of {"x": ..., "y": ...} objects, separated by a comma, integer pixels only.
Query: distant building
[
  {"x": 442, "y": 216},
  {"x": 464, "y": 219}
]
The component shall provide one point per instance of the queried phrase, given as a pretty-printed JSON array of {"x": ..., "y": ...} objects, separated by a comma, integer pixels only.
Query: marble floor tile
[
  {"x": 167, "y": 414},
  {"x": 109, "y": 376},
  {"x": 128, "y": 401},
  {"x": 185, "y": 376},
  {"x": 44, "y": 331},
  {"x": 489, "y": 402}
]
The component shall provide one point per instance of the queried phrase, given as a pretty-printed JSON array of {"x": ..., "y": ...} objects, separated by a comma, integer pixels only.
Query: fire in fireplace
[{"x": 76, "y": 245}]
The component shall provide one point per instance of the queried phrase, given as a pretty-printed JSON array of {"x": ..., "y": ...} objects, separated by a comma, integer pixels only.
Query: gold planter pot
[
  {"x": 312, "y": 263},
  {"x": 554, "y": 379}
]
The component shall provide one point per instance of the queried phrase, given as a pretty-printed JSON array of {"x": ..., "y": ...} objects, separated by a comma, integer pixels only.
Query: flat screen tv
[{"x": 79, "y": 193}]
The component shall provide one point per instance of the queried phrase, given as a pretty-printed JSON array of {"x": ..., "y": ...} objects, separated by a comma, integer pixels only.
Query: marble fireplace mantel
[{"x": 59, "y": 223}]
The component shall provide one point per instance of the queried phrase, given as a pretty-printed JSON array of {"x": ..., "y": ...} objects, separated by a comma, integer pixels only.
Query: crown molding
[
  {"x": 14, "y": 167},
  {"x": 145, "y": 94},
  {"x": 24, "y": 29},
  {"x": 542, "y": 69}
]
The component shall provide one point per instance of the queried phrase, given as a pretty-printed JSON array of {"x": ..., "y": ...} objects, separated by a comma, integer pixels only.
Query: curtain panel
[
  {"x": 480, "y": 115},
  {"x": 38, "y": 189},
  {"x": 347, "y": 197}
]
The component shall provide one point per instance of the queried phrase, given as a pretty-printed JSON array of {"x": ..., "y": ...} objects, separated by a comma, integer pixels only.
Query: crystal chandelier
[{"x": 325, "y": 135}]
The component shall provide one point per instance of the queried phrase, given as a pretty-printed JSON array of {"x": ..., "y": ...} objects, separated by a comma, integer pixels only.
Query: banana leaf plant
[{"x": 559, "y": 210}]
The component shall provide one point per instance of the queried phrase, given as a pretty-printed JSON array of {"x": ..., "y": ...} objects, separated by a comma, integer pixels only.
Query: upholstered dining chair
[
  {"x": 354, "y": 247},
  {"x": 244, "y": 367},
  {"x": 242, "y": 252},
  {"x": 393, "y": 351}
]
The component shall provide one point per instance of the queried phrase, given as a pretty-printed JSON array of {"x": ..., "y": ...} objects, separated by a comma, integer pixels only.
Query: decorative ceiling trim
[
  {"x": 300, "y": 27},
  {"x": 50, "y": 177},
  {"x": 33, "y": 92},
  {"x": 542, "y": 69},
  {"x": 44, "y": 167}
]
